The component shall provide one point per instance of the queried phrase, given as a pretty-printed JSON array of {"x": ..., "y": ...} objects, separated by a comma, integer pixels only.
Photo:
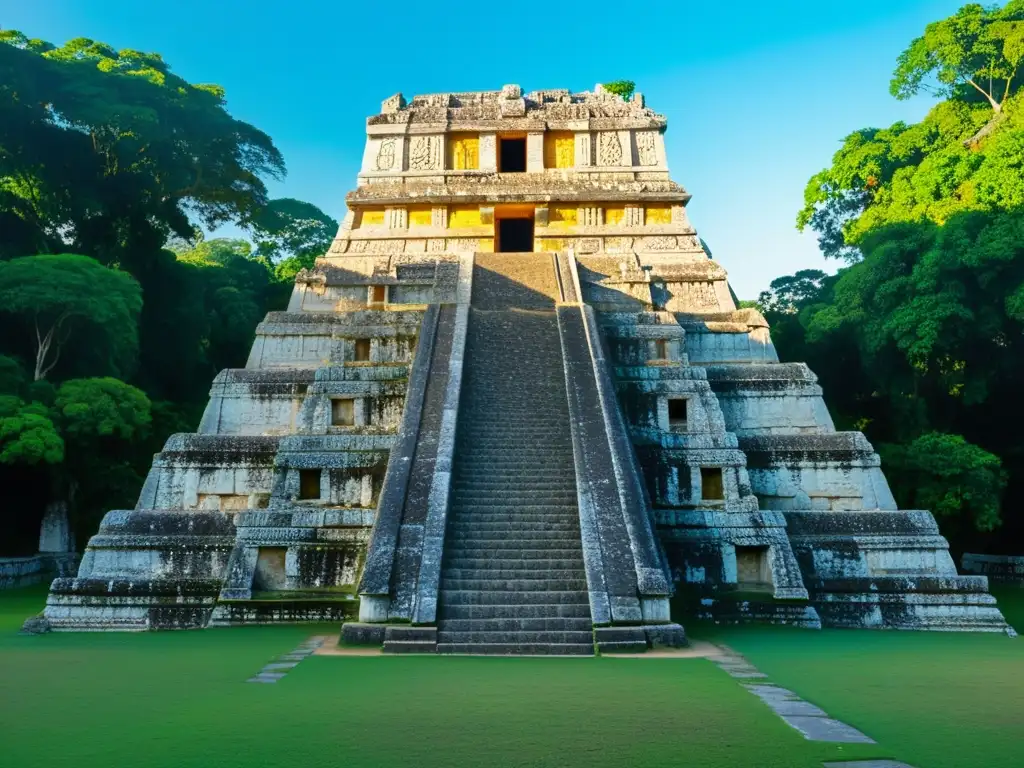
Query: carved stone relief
[
  {"x": 609, "y": 149},
  {"x": 658, "y": 243},
  {"x": 386, "y": 155},
  {"x": 698, "y": 295},
  {"x": 424, "y": 154},
  {"x": 646, "y": 148}
]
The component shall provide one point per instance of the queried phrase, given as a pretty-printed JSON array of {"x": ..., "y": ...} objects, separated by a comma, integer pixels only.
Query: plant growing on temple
[
  {"x": 65, "y": 299},
  {"x": 623, "y": 88}
]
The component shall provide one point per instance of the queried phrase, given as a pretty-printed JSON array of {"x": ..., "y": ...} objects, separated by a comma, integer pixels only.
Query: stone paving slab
[
  {"x": 811, "y": 721},
  {"x": 275, "y": 670},
  {"x": 826, "y": 729}
]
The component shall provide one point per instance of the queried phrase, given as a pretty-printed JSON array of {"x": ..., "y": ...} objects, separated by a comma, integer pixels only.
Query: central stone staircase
[{"x": 513, "y": 580}]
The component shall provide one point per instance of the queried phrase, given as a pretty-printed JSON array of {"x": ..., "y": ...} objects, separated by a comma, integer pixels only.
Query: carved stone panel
[
  {"x": 661, "y": 243},
  {"x": 386, "y": 155},
  {"x": 646, "y": 148},
  {"x": 425, "y": 153},
  {"x": 609, "y": 149},
  {"x": 584, "y": 139}
]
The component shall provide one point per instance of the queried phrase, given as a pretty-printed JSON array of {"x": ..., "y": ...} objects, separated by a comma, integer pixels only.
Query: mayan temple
[{"x": 515, "y": 409}]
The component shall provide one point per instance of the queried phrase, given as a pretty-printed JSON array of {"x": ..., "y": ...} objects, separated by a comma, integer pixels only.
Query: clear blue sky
[{"x": 758, "y": 94}]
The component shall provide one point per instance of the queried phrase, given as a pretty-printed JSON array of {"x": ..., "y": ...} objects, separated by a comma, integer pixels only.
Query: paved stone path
[
  {"x": 869, "y": 764},
  {"x": 813, "y": 722},
  {"x": 280, "y": 667}
]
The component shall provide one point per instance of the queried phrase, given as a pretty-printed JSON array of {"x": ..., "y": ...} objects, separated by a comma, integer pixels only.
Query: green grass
[
  {"x": 934, "y": 700},
  {"x": 1011, "y": 603},
  {"x": 179, "y": 699}
]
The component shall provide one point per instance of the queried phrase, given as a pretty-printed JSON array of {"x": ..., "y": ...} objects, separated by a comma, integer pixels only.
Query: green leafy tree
[
  {"x": 140, "y": 147},
  {"x": 65, "y": 298},
  {"x": 623, "y": 88},
  {"x": 101, "y": 421},
  {"x": 292, "y": 235},
  {"x": 949, "y": 476},
  {"x": 27, "y": 433},
  {"x": 977, "y": 48}
]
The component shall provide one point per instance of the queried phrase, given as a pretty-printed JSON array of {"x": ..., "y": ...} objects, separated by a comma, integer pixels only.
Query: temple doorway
[{"x": 514, "y": 235}]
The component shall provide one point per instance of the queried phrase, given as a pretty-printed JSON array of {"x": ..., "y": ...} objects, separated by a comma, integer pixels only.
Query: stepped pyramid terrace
[{"x": 515, "y": 410}]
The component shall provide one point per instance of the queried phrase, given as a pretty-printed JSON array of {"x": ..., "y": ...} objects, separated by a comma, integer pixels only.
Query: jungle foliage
[
  {"x": 115, "y": 312},
  {"x": 919, "y": 340}
]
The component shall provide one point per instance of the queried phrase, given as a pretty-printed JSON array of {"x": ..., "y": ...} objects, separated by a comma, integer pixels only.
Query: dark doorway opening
[
  {"x": 515, "y": 235},
  {"x": 309, "y": 484},
  {"x": 512, "y": 155},
  {"x": 677, "y": 414}
]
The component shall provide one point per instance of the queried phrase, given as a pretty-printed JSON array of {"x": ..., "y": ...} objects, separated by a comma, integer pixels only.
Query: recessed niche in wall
[
  {"x": 753, "y": 568},
  {"x": 661, "y": 349},
  {"x": 378, "y": 294},
  {"x": 362, "y": 350},
  {"x": 677, "y": 414},
  {"x": 711, "y": 487},
  {"x": 343, "y": 412},
  {"x": 309, "y": 483},
  {"x": 270, "y": 572}
]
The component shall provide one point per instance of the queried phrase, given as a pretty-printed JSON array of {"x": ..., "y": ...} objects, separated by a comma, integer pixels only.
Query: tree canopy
[
  {"x": 957, "y": 159},
  {"x": 976, "y": 51},
  {"x": 105, "y": 151},
  {"x": 66, "y": 298},
  {"x": 919, "y": 341},
  {"x": 115, "y": 311}
]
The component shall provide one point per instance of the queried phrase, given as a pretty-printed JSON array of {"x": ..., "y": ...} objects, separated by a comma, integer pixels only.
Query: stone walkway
[
  {"x": 811, "y": 721},
  {"x": 280, "y": 667}
]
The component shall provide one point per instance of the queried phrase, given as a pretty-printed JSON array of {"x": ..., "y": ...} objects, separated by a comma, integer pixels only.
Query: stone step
[
  {"x": 468, "y": 525},
  {"x": 580, "y": 610},
  {"x": 543, "y": 427},
  {"x": 515, "y": 649},
  {"x": 518, "y": 517},
  {"x": 499, "y": 574},
  {"x": 477, "y": 485},
  {"x": 560, "y": 485},
  {"x": 451, "y": 584},
  {"x": 532, "y": 539},
  {"x": 509, "y": 506},
  {"x": 409, "y": 646},
  {"x": 519, "y": 625},
  {"x": 501, "y": 471},
  {"x": 465, "y": 550},
  {"x": 514, "y": 566},
  {"x": 518, "y": 637},
  {"x": 500, "y": 597}
]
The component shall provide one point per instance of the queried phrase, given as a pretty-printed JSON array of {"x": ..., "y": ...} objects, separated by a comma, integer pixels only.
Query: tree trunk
[{"x": 986, "y": 129}]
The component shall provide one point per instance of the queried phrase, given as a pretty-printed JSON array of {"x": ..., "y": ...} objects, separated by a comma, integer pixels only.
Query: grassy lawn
[
  {"x": 179, "y": 699},
  {"x": 934, "y": 700}
]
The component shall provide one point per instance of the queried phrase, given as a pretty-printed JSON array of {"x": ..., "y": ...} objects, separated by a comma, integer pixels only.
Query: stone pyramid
[{"x": 514, "y": 409}]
